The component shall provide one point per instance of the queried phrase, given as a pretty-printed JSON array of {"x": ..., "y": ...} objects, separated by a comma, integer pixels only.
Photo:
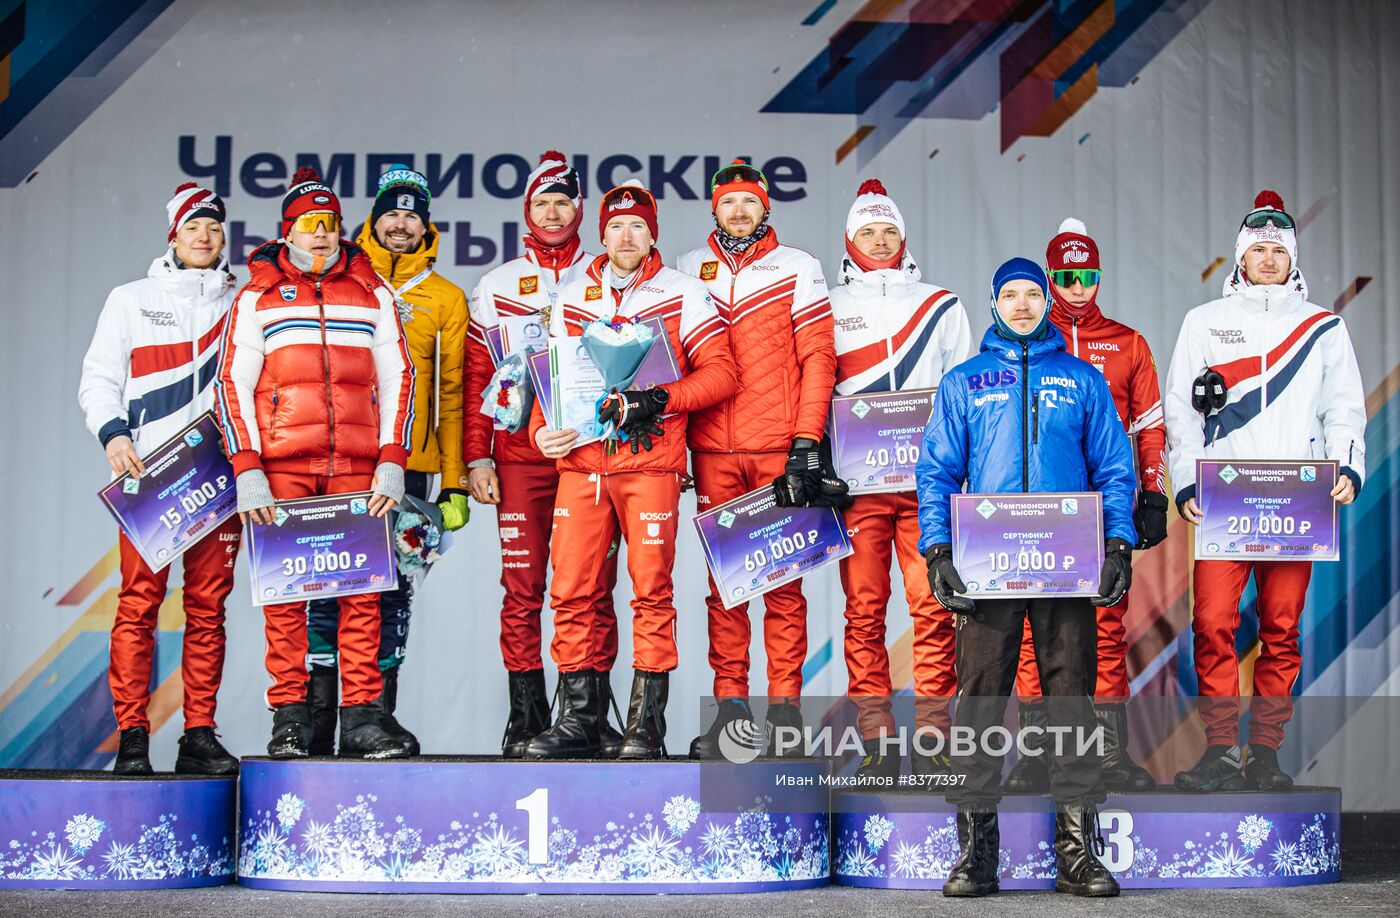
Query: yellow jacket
[{"x": 434, "y": 314}]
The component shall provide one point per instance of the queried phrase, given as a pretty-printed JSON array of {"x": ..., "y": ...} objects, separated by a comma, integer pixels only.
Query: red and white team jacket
[
  {"x": 1125, "y": 360},
  {"x": 774, "y": 300},
  {"x": 894, "y": 333},
  {"x": 520, "y": 287},
  {"x": 697, "y": 333},
  {"x": 1294, "y": 387},
  {"x": 149, "y": 371}
]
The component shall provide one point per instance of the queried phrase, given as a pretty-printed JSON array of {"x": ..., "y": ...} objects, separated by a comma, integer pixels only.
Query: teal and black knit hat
[{"x": 401, "y": 189}]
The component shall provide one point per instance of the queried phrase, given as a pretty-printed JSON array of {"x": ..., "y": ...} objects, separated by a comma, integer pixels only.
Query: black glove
[
  {"x": 1117, "y": 573},
  {"x": 801, "y": 478},
  {"x": 944, "y": 580},
  {"x": 633, "y": 406},
  {"x": 1150, "y": 519},
  {"x": 639, "y": 433},
  {"x": 831, "y": 492},
  {"x": 1209, "y": 392}
]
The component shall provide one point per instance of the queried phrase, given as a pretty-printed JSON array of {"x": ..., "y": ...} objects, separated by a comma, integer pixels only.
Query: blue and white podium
[
  {"x": 1156, "y": 840},
  {"x": 93, "y": 830},
  {"x": 484, "y": 825}
]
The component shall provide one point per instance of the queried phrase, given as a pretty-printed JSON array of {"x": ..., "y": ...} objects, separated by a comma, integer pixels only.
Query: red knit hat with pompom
[{"x": 307, "y": 194}]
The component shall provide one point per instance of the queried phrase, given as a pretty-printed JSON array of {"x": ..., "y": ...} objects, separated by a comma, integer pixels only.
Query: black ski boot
[
  {"x": 291, "y": 731},
  {"x": 1078, "y": 843},
  {"x": 609, "y": 739},
  {"x": 935, "y": 766},
  {"x": 201, "y": 753},
  {"x": 877, "y": 769},
  {"x": 785, "y": 716},
  {"x": 323, "y": 697},
  {"x": 1120, "y": 772},
  {"x": 1031, "y": 774},
  {"x": 575, "y": 733},
  {"x": 1262, "y": 771},
  {"x": 529, "y": 712},
  {"x": 362, "y": 737},
  {"x": 388, "y": 703},
  {"x": 974, "y": 874},
  {"x": 646, "y": 717},
  {"x": 134, "y": 753},
  {"x": 744, "y": 733},
  {"x": 1218, "y": 770}
]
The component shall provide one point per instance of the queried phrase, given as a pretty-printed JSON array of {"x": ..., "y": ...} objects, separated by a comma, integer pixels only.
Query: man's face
[
  {"x": 1021, "y": 303},
  {"x": 399, "y": 231},
  {"x": 321, "y": 241},
  {"x": 552, "y": 211},
  {"x": 627, "y": 240},
  {"x": 1266, "y": 263},
  {"x": 1076, "y": 295},
  {"x": 877, "y": 240},
  {"x": 199, "y": 242},
  {"x": 739, "y": 213}
]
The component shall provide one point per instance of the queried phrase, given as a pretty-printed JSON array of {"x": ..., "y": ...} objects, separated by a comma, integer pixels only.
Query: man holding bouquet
[
  {"x": 606, "y": 488},
  {"x": 508, "y": 471}
]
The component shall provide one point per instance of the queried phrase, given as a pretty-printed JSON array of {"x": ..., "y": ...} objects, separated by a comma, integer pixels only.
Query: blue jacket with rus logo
[{"x": 1024, "y": 416}]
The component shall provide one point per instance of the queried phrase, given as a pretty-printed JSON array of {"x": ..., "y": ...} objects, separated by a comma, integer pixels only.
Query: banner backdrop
[{"x": 1154, "y": 121}]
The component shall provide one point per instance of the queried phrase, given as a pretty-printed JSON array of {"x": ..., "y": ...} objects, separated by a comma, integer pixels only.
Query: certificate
[
  {"x": 575, "y": 385},
  {"x": 321, "y": 547},
  {"x": 752, "y": 545},
  {"x": 187, "y": 492},
  {"x": 1009, "y": 546},
  {"x": 875, "y": 438},
  {"x": 1268, "y": 510},
  {"x": 522, "y": 333}
]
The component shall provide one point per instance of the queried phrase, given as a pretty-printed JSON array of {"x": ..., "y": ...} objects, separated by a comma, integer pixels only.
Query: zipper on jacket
[
  {"x": 326, "y": 362},
  {"x": 1035, "y": 418},
  {"x": 272, "y": 432},
  {"x": 1264, "y": 362},
  {"x": 1025, "y": 411},
  {"x": 729, "y": 402},
  {"x": 1074, "y": 330}
]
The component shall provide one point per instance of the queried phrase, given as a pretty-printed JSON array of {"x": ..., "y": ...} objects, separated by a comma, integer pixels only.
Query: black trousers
[{"x": 1065, "y": 633}]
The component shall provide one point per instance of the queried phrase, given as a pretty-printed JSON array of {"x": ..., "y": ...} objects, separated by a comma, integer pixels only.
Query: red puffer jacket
[{"x": 315, "y": 377}]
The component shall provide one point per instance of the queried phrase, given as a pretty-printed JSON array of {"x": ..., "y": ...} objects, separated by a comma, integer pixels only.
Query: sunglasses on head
[
  {"x": 1069, "y": 277},
  {"x": 309, "y": 223},
  {"x": 1260, "y": 217},
  {"x": 738, "y": 172},
  {"x": 625, "y": 192}
]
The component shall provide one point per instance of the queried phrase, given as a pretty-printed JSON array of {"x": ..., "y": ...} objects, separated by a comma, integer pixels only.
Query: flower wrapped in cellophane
[
  {"x": 419, "y": 537},
  {"x": 507, "y": 399},
  {"x": 617, "y": 349}
]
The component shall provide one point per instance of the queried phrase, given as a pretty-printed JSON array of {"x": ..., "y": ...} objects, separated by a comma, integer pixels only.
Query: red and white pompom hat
[
  {"x": 1252, "y": 235},
  {"x": 873, "y": 205},
  {"x": 190, "y": 203}
]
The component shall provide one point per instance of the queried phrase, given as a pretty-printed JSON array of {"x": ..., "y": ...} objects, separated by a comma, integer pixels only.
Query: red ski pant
[
  {"x": 209, "y": 569},
  {"x": 875, "y": 523},
  {"x": 285, "y": 623},
  {"x": 590, "y": 512},
  {"x": 1282, "y": 589},
  {"x": 1111, "y": 684},
  {"x": 720, "y": 477},
  {"x": 523, "y": 522}
]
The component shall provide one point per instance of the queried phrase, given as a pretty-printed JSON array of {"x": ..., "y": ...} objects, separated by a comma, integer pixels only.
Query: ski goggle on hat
[
  {"x": 738, "y": 172},
  {"x": 1258, "y": 218},
  {"x": 1088, "y": 277},
  {"x": 309, "y": 223}
]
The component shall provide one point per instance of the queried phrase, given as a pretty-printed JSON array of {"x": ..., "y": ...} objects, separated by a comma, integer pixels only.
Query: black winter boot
[
  {"x": 134, "y": 753},
  {"x": 935, "y": 766},
  {"x": 1218, "y": 770},
  {"x": 609, "y": 739},
  {"x": 1078, "y": 843},
  {"x": 1262, "y": 771},
  {"x": 362, "y": 737},
  {"x": 529, "y": 712},
  {"x": 645, "y": 737},
  {"x": 201, "y": 753},
  {"x": 291, "y": 731},
  {"x": 388, "y": 703},
  {"x": 877, "y": 768},
  {"x": 1031, "y": 774},
  {"x": 323, "y": 697},
  {"x": 744, "y": 733},
  {"x": 786, "y": 716},
  {"x": 1120, "y": 772},
  {"x": 974, "y": 874},
  {"x": 575, "y": 733}
]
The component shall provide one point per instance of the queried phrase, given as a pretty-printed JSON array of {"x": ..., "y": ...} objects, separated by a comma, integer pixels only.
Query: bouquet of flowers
[
  {"x": 419, "y": 538},
  {"x": 617, "y": 349},
  {"x": 507, "y": 399}
]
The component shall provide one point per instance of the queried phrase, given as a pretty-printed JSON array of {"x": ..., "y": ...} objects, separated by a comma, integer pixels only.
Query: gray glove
[
  {"x": 253, "y": 491},
  {"x": 389, "y": 481}
]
